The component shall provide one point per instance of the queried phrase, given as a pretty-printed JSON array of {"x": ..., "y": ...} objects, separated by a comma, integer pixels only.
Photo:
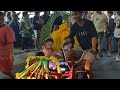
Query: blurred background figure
[
  {"x": 25, "y": 28},
  {"x": 8, "y": 16},
  {"x": 89, "y": 15},
  {"x": 6, "y": 48},
  {"x": 100, "y": 21},
  {"x": 37, "y": 27},
  {"x": 46, "y": 16},
  {"x": 58, "y": 21},
  {"x": 14, "y": 24},
  {"x": 117, "y": 33},
  {"x": 110, "y": 32}
]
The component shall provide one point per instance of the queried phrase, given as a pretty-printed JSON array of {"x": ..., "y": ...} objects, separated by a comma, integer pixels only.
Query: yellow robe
[{"x": 59, "y": 36}]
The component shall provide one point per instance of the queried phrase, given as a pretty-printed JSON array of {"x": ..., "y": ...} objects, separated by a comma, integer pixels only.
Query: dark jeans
[{"x": 25, "y": 42}]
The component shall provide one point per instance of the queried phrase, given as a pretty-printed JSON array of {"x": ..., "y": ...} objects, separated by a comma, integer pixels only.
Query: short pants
[{"x": 100, "y": 35}]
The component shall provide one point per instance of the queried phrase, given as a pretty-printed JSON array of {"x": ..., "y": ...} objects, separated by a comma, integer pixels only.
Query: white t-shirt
[
  {"x": 100, "y": 22},
  {"x": 117, "y": 21},
  {"x": 115, "y": 16},
  {"x": 117, "y": 28}
]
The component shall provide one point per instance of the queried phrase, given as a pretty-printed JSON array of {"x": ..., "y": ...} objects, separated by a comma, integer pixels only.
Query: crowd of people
[
  {"x": 106, "y": 26},
  {"x": 14, "y": 34},
  {"x": 89, "y": 29},
  {"x": 27, "y": 31}
]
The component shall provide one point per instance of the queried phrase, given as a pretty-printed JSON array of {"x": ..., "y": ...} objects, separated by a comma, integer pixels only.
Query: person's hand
[
  {"x": 61, "y": 48},
  {"x": 93, "y": 51},
  {"x": 66, "y": 63}
]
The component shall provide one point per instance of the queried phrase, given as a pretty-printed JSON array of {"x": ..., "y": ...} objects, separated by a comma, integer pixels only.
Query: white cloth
[
  {"x": 35, "y": 32},
  {"x": 117, "y": 29},
  {"x": 117, "y": 33}
]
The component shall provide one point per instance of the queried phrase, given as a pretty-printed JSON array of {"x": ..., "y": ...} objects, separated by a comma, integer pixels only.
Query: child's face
[
  {"x": 43, "y": 47},
  {"x": 49, "y": 44},
  {"x": 68, "y": 46}
]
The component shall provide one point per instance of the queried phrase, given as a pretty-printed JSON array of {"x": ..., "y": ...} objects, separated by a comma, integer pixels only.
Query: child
[
  {"x": 47, "y": 48},
  {"x": 67, "y": 46},
  {"x": 50, "y": 52}
]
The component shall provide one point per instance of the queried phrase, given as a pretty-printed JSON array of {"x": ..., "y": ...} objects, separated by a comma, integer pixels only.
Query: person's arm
[
  {"x": 92, "y": 18},
  {"x": 58, "y": 57},
  {"x": 72, "y": 32},
  {"x": 70, "y": 56},
  {"x": 71, "y": 35},
  {"x": 24, "y": 26},
  {"x": 107, "y": 21},
  {"x": 94, "y": 43},
  {"x": 28, "y": 27},
  {"x": 93, "y": 34}
]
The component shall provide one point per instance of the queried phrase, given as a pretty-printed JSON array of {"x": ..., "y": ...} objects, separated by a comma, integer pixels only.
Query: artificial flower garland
[{"x": 40, "y": 66}]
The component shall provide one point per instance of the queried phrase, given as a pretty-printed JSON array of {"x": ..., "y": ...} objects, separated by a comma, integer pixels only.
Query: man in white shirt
[{"x": 100, "y": 21}]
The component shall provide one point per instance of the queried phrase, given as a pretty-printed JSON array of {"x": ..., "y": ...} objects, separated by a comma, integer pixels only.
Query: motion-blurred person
[
  {"x": 58, "y": 21},
  {"x": 37, "y": 27},
  {"x": 14, "y": 24},
  {"x": 100, "y": 21},
  {"x": 6, "y": 48},
  {"x": 8, "y": 17},
  {"x": 110, "y": 32},
  {"x": 86, "y": 35},
  {"x": 117, "y": 33},
  {"x": 46, "y": 16},
  {"x": 89, "y": 15},
  {"x": 25, "y": 28}
]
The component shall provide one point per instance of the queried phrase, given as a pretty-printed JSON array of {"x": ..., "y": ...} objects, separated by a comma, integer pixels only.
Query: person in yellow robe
[{"x": 59, "y": 36}]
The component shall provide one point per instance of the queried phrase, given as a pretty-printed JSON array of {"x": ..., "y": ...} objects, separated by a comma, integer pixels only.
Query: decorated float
[{"x": 38, "y": 67}]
